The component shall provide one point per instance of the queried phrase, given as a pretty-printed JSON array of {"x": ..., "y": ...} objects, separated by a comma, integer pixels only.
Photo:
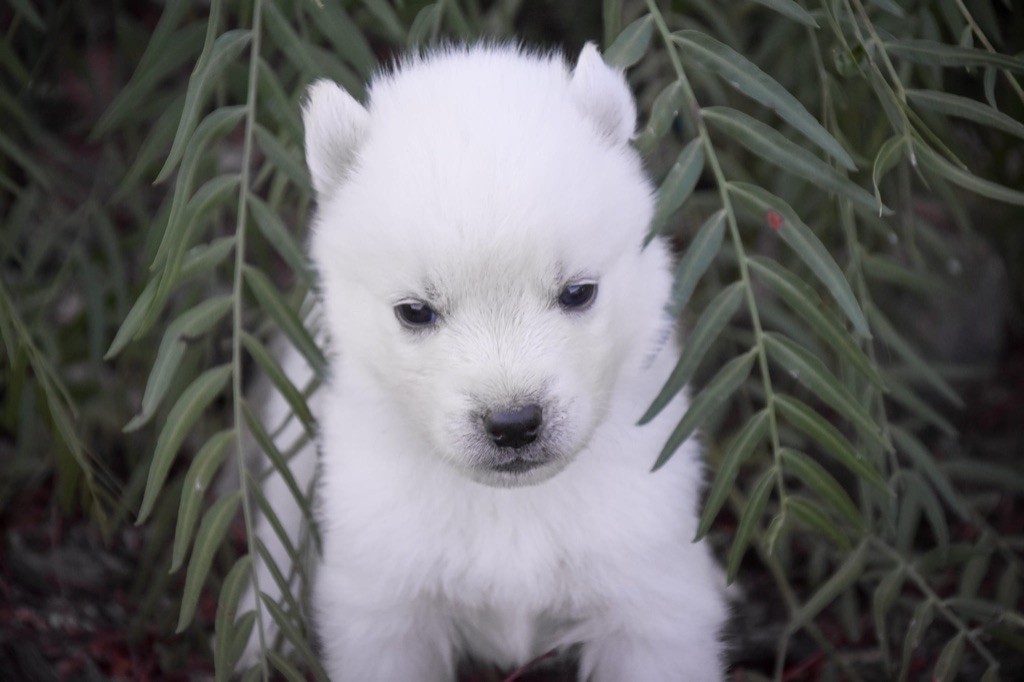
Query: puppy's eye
[
  {"x": 577, "y": 296},
  {"x": 415, "y": 314}
]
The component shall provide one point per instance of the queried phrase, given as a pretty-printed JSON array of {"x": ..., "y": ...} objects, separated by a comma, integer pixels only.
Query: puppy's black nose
[{"x": 514, "y": 427}]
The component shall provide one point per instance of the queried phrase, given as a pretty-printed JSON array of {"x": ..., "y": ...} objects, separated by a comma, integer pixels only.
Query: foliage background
[{"x": 861, "y": 398}]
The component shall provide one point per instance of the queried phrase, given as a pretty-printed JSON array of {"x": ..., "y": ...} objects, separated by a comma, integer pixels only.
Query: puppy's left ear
[
  {"x": 603, "y": 95},
  {"x": 335, "y": 125}
]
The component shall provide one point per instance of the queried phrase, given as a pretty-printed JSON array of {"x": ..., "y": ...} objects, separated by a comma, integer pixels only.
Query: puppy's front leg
[{"x": 377, "y": 643}]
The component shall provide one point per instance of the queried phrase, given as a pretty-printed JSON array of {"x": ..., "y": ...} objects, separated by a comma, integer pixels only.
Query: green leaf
[
  {"x": 937, "y": 164},
  {"x": 805, "y": 244},
  {"x": 812, "y": 373},
  {"x": 698, "y": 258},
  {"x": 292, "y": 634},
  {"x": 749, "y": 521},
  {"x": 225, "y": 50},
  {"x": 790, "y": 10},
  {"x": 714, "y": 395},
  {"x": 925, "y": 496},
  {"x": 212, "y": 127},
  {"x": 271, "y": 227},
  {"x": 890, "y": 337},
  {"x": 679, "y": 182},
  {"x": 841, "y": 580},
  {"x": 889, "y": 154},
  {"x": 281, "y": 664},
  {"x": 739, "y": 450},
  {"x": 889, "y": 588},
  {"x": 775, "y": 148},
  {"x": 237, "y": 580},
  {"x": 812, "y": 516},
  {"x": 294, "y": 49},
  {"x": 829, "y": 438},
  {"x": 908, "y": 445},
  {"x": 807, "y": 305},
  {"x": 345, "y": 36},
  {"x": 922, "y": 617},
  {"x": 197, "y": 481},
  {"x": 937, "y": 54},
  {"x": 283, "y": 159},
  {"x": 270, "y": 449},
  {"x": 281, "y": 382},
  {"x": 908, "y": 399},
  {"x": 192, "y": 403},
  {"x": 663, "y": 112},
  {"x": 738, "y": 71},
  {"x": 631, "y": 44},
  {"x": 421, "y": 30},
  {"x": 133, "y": 320},
  {"x": 889, "y": 6},
  {"x": 949, "y": 661},
  {"x": 208, "y": 540},
  {"x": 817, "y": 479},
  {"x": 714, "y": 318},
  {"x": 187, "y": 326},
  {"x": 991, "y": 673},
  {"x": 285, "y": 317},
  {"x": 966, "y": 108}
]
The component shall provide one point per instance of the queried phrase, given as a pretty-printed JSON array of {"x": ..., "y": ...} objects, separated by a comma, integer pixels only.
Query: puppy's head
[{"x": 479, "y": 242}]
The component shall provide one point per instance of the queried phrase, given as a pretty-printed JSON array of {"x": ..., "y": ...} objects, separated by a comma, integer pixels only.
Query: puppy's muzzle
[{"x": 515, "y": 427}]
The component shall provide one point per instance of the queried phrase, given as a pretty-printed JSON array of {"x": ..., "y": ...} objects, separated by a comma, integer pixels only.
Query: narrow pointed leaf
[
  {"x": 237, "y": 580},
  {"x": 281, "y": 665},
  {"x": 888, "y": 335},
  {"x": 679, "y": 183},
  {"x": 817, "y": 479},
  {"x": 743, "y": 75},
  {"x": 208, "y": 540},
  {"x": 949, "y": 661},
  {"x": 281, "y": 382},
  {"x": 803, "y": 300},
  {"x": 812, "y": 516},
  {"x": 631, "y": 44},
  {"x": 386, "y": 20},
  {"x": 885, "y": 595},
  {"x": 271, "y": 227},
  {"x": 213, "y": 126},
  {"x": 749, "y": 521},
  {"x": 922, "y": 617},
  {"x": 270, "y": 449},
  {"x": 422, "y": 26},
  {"x": 285, "y": 317},
  {"x": 714, "y": 395},
  {"x": 829, "y": 438},
  {"x": 938, "y": 54},
  {"x": 225, "y": 50},
  {"x": 296, "y": 638},
  {"x": 740, "y": 449},
  {"x": 805, "y": 244},
  {"x": 908, "y": 399},
  {"x": 889, "y": 154},
  {"x": 841, "y": 580},
  {"x": 345, "y": 36},
  {"x": 204, "y": 257},
  {"x": 698, "y": 258},
  {"x": 283, "y": 159},
  {"x": 192, "y": 403},
  {"x": 966, "y": 108},
  {"x": 777, "y": 149},
  {"x": 133, "y": 320},
  {"x": 206, "y": 464},
  {"x": 663, "y": 111},
  {"x": 714, "y": 318},
  {"x": 937, "y": 164},
  {"x": 908, "y": 445},
  {"x": 790, "y": 10},
  {"x": 190, "y": 324},
  {"x": 813, "y": 374}
]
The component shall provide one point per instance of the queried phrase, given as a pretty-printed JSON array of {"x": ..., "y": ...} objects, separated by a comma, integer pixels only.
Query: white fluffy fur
[{"x": 482, "y": 180}]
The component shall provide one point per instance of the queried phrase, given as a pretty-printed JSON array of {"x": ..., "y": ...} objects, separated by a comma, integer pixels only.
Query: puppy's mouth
[{"x": 516, "y": 466}]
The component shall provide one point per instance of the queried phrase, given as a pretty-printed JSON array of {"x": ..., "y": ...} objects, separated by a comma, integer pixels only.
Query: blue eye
[
  {"x": 415, "y": 314},
  {"x": 577, "y": 296}
]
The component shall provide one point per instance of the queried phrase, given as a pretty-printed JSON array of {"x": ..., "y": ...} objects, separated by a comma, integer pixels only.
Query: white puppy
[{"x": 496, "y": 331}]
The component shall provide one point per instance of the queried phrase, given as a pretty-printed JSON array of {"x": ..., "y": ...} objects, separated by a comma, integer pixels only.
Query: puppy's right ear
[{"x": 335, "y": 124}]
